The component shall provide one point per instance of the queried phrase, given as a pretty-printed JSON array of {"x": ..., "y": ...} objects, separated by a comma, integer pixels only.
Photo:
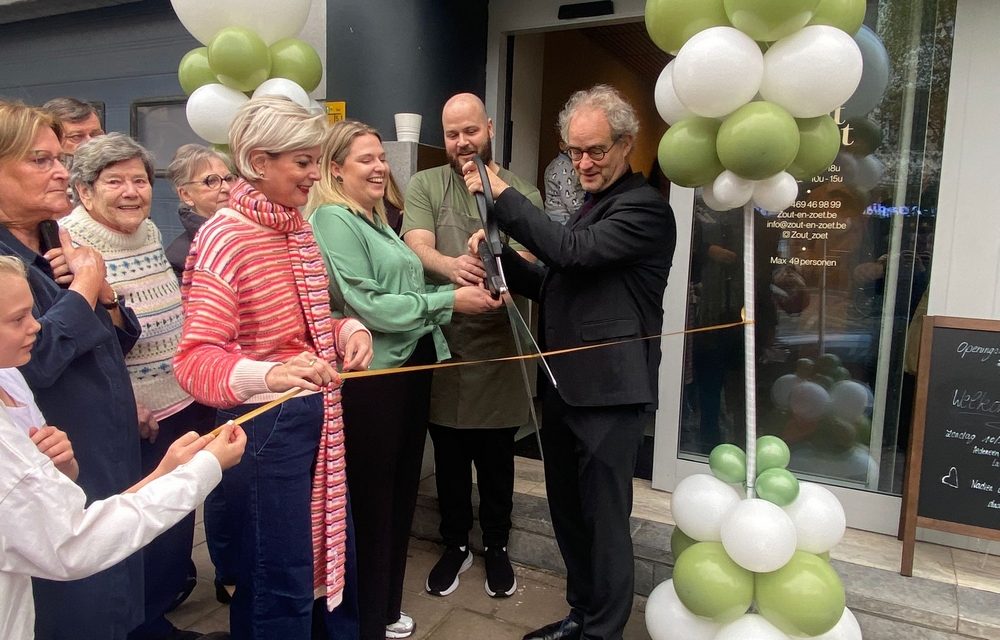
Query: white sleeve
[{"x": 45, "y": 531}]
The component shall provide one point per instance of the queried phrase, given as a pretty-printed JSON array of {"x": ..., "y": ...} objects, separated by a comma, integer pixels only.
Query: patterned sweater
[
  {"x": 243, "y": 315},
  {"x": 138, "y": 270}
]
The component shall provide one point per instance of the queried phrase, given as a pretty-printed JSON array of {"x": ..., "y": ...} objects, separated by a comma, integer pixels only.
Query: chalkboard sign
[{"x": 953, "y": 480}]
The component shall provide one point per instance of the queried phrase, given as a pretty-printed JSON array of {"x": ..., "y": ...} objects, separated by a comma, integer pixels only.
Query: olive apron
[{"x": 480, "y": 396}]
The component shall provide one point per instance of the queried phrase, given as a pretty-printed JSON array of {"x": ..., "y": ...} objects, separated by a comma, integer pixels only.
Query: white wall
[
  {"x": 315, "y": 34},
  {"x": 965, "y": 279}
]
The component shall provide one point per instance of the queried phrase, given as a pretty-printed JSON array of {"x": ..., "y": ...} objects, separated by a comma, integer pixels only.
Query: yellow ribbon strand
[{"x": 347, "y": 375}]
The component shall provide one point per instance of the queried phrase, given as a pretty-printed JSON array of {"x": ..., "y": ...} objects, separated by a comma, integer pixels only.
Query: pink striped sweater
[{"x": 242, "y": 316}]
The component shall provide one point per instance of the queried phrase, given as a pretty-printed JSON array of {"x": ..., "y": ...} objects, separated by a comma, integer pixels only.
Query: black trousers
[
  {"x": 385, "y": 426},
  {"x": 492, "y": 451},
  {"x": 590, "y": 455}
]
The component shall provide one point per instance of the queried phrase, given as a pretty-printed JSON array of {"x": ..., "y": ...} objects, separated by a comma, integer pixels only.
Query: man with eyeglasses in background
[
  {"x": 602, "y": 281},
  {"x": 80, "y": 122}
]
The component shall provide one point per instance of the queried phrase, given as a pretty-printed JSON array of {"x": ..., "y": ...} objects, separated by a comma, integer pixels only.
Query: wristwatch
[{"x": 114, "y": 301}]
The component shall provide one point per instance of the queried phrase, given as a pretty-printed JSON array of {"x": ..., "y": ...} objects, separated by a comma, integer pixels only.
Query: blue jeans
[{"x": 268, "y": 502}]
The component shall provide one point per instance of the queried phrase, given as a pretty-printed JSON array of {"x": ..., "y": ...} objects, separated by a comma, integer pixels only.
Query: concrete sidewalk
[{"x": 953, "y": 595}]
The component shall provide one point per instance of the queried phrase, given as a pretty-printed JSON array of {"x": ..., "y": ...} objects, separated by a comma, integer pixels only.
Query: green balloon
[
  {"x": 710, "y": 584},
  {"x": 757, "y": 141},
  {"x": 803, "y": 598},
  {"x": 687, "y": 152},
  {"x": 297, "y": 61},
  {"x": 846, "y": 15},
  {"x": 828, "y": 363},
  {"x": 671, "y": 23},
  {"x": 863, "y": 136},
  {"x": 777, "y": 485},
  {"x": 770, "y": 20},
  {"x": 194, "y": 71},
  {"x": 804, "y": 367},
  {"x": 680, "y": 542},
  {"x": 239, "y": 58},
  {"x": 819, "y": 142},
  {"x": 772, "y": 453},
  {"x": 728, "y": 463}
]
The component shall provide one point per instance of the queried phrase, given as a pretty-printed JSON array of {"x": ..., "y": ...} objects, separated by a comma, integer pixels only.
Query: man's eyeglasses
[
  {"x": 594, "y": 153},
  {"x": 214, "y": 180}
]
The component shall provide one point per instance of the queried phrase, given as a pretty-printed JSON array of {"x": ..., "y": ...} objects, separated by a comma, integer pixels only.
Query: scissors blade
[{"x": 515, "y": 318}]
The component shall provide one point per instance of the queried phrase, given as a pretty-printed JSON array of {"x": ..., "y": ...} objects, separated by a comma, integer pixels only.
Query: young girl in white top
[{"x": 45, "y": 528}]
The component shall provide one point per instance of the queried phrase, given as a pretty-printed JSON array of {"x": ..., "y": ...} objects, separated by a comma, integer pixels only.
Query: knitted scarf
[{"x": 329, "y": 488}]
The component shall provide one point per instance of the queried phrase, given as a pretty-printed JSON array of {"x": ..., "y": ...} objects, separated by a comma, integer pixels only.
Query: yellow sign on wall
[{"x": 336, "y": 110}]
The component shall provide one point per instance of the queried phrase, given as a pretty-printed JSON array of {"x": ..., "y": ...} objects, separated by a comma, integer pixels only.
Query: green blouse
[{"x": 377, "y": 279}]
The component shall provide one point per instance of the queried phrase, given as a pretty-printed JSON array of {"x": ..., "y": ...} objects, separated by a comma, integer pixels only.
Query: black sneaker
[
  {"x": 500, "y": 580},
  {"x": 443, "y": 578}
]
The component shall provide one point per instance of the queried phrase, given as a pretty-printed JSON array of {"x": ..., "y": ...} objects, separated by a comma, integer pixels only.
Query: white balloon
[
  {"x": 818, "y": 517},
  {"x": 731, "y": 190},
  {"x": 270, "y": 20},
  {"x": 718, "y": 71},
  {"x": 667, "y": 618},
  {"x": 750, "y": 627},
  {"x": 846, "y": 629},
  {"x": 811, "y": 72},
  {"x": 668, "y": 105},
  {"x": 211, "y": 109},
  {"x": 776, "y": 193},
  {"x": 781, "y": 390},
  {"x": 758, "y": 536},
  {"x": 711, "y": 201},
  {"x": 283, "y": 87},
  {"x": 847, "y": 162},
  {"x": 850, "y": 399},
  {"x": 874, "y": 76},
  {"x": 699, "y": 505},
  {"x": 808, "y": 400},
  {"x": 316, "y": 108},
  {"x": 869, "y": 172}
]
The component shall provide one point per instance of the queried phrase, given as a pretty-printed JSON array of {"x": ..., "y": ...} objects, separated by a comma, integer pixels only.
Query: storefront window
[{"x": 841, "y": 276}]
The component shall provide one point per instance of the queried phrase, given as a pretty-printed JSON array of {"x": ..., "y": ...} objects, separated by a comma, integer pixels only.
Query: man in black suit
[{"x": 603, "y": 282}]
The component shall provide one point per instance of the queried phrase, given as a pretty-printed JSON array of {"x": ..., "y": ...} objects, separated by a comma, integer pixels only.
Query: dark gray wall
[
  {"x": 384, "y": 56},
  {"x": 388, "y": 56}
]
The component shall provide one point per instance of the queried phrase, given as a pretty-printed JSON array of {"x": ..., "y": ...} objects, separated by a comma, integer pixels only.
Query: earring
[
  {"x": 262, "y": 177},
  {"x": 339, "y": 179}
]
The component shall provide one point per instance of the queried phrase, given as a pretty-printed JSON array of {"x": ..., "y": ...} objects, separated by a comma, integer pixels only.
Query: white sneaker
[{"x": 402, "y": 628}]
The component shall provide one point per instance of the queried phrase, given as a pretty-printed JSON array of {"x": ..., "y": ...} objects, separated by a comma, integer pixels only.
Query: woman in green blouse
[{"x": 377, "y": 279}]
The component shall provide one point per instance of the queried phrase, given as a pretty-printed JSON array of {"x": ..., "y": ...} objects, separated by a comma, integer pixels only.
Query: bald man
[{"x": 475, "y": 411}]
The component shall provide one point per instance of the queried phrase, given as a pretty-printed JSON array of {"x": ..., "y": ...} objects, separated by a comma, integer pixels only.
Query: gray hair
[
  {"x": 620, "y": 114},
  {"x": 189, "y": 158},
  {"x": 273, "y": 124},
  {"x": 69, "y": 109},
  {"x": 99, "y": 153}
]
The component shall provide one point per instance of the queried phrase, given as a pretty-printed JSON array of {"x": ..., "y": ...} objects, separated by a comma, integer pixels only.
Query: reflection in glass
[{"x": 841, "y": 280}]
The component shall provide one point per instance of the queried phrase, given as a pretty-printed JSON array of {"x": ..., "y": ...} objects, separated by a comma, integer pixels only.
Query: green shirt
[{"x": 377, "y": 279}]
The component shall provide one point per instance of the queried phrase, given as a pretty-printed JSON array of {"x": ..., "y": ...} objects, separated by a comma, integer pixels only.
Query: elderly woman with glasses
[
  {"x": 203, "y": 178},
  {"x": 112, "y": 179},
  {"x": 257, "y": 324},
  {"x": 77, "y": 365}
]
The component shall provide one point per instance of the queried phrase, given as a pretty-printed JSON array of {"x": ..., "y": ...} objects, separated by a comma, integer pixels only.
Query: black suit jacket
[{"x": 603, "y": 281}]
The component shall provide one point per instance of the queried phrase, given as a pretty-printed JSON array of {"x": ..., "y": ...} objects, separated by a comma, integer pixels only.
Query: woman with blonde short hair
[{"x": 257, "y": 324}]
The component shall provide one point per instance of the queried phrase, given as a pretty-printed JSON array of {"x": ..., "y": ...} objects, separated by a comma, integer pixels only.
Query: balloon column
[
  {"x": 750, "y": 92},
  {"x": 752, "y": 568},
  {"x": 250, "y": 50},
  {"x": 748, "y": 97}
]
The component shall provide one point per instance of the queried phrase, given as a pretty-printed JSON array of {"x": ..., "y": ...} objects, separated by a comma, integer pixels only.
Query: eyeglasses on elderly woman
[{"x": 214, "y": 180}]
